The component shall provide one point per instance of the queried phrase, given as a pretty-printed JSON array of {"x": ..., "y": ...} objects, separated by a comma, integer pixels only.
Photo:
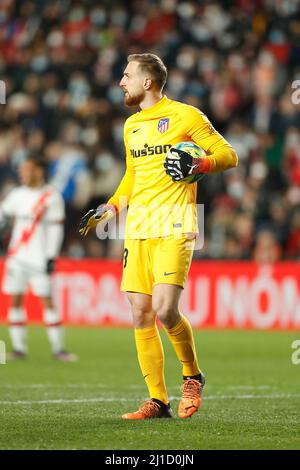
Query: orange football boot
[
  {"x": 150, "y": 409},
  {"x": 191, "y": 397}
]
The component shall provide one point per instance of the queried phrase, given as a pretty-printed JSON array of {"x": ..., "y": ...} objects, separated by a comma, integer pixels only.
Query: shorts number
[{"x": 125, "y": 257}]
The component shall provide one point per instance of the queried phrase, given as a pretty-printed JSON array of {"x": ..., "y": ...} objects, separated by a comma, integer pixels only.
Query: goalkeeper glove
[
  {"x": 181, "y": 164},
  {"x": 92, "y": 218}
]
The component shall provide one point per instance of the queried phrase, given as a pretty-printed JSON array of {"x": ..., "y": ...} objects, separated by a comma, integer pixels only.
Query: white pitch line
[
  {"x": 49, "y": 385},
  {"x": 64, "y": 401},
  {"x": 248, "y": 387},
  {"x": 123, "y": 399},
  {"x": 253, "y": 396},
  {"x": 131, "y": 386}
]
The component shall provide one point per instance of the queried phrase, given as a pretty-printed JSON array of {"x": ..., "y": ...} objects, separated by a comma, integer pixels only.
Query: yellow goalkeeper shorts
[{"x": 156, "y": 261}]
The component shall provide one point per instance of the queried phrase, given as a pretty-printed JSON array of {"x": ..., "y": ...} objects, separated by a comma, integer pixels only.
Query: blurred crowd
[{"x": 236, "y": 60}]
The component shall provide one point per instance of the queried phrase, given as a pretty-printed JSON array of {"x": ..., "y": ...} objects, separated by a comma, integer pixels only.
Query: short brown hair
[
  {"x": 38, "y": 161},
  {"x": 152, "y": 64}
]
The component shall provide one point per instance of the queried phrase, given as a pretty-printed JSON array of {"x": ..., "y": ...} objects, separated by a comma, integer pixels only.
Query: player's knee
[
  {"x": 47, "y": 302},
  {"x": 17, "y": 301},
  {"x": 16, "y": 315},
  {"x": 141, "y": 309},
  {"x": 142, "y": 313},
  {"x": 167, "y": 313},
  {"x": 51, "y": 317},
  {"x": 142, "y": 319},
  {"x": 142, "y": 316}
]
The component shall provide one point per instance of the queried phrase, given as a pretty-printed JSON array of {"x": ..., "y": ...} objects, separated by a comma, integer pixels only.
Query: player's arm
[
  {"x": 116, "y": 203},
  {"x": 220, "y": 154},
  {"x": 4, "y": 221},
  {"x": 7, "y": 211},
  {"x": 54, "y": 220}
]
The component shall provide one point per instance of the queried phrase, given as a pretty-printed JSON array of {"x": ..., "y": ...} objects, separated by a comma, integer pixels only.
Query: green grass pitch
[{"x": 251, "y": 400}]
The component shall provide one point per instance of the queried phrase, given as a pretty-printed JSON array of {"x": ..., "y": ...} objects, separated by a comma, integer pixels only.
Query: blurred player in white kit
[{"x": 37, "y": 211}]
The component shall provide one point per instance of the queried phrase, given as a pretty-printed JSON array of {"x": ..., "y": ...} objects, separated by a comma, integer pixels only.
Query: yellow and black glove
[
  {"x": 180, "y": 164},
  {"x": 92, "y": 218}
]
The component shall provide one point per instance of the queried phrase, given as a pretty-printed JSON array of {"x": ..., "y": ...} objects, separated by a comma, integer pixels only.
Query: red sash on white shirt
[{"x": 38, "y": 210}]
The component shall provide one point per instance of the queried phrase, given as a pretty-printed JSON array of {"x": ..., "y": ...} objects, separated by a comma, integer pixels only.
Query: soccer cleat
[
  {"x": 150, "y": 409},
  {"x": 15, "y": 355},
  {"x": 65, "y": 356},
  {"x": 191, "y": 397}
]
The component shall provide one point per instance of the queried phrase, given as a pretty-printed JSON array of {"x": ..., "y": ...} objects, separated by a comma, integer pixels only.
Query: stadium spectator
[{"x": 267, "y": 249}]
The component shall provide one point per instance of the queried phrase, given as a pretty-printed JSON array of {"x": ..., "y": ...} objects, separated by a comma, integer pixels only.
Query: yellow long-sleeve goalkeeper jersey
[{"x": 157, "y": 205}]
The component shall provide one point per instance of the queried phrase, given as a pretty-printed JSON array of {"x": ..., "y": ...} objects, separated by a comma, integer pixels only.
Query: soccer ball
[{"x": 196, "y": 152}]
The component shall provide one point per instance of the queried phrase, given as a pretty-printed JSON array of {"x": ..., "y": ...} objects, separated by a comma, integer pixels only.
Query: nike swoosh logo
[
  {"x": 135, "y": 130},
  {"x": 168, "y": 274}
]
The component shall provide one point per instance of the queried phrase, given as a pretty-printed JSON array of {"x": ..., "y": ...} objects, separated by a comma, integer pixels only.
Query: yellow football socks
[
  {"x": 181, "y": 336},
  {"x": 151, "y": 359}
]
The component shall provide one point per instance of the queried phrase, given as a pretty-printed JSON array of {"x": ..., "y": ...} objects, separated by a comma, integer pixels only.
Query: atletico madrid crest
[{"x": 163, "y": 125}]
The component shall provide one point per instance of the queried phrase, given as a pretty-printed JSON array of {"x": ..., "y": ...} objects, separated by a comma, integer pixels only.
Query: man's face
[
  {"x": 29, "y": 173},
  {"x": 132, "y": 83}
]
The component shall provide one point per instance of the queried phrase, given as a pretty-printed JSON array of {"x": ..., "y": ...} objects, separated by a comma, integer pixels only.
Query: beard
[{"x": 133, "y": 100}]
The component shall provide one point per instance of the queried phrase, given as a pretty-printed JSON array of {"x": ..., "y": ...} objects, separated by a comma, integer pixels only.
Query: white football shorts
[{"x": 17, "y": 277}]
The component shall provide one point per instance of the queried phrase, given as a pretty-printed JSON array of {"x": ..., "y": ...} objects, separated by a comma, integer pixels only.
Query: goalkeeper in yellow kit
[{"x": 158, "y": 249}]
